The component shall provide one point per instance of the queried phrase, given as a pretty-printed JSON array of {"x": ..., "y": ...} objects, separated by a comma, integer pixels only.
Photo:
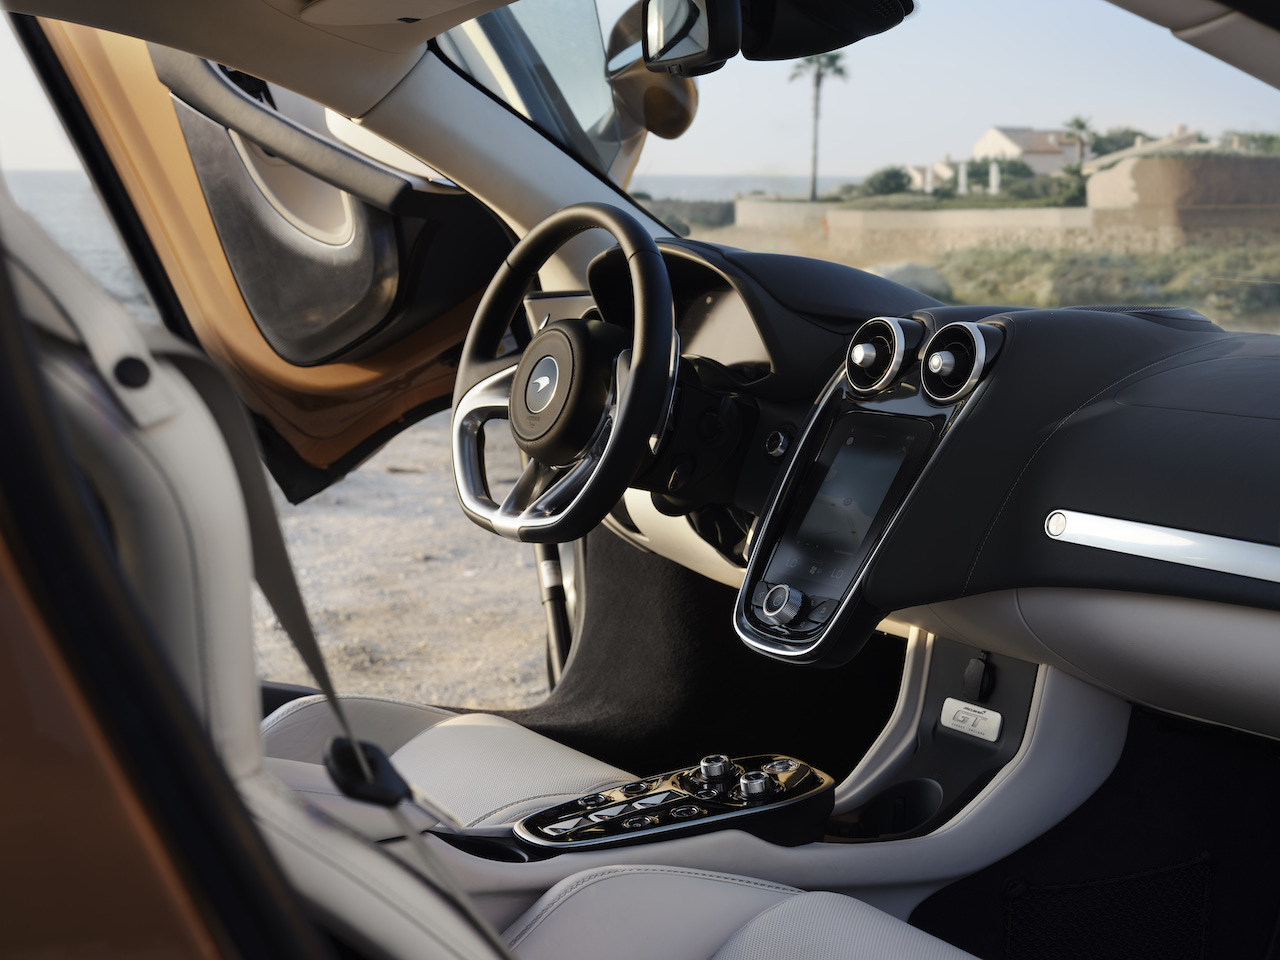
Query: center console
[
  {"x": 872, "y": 434},
  {"x": 773, "y": 796}
]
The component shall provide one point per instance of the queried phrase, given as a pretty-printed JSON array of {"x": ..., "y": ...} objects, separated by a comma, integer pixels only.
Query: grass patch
[
  {"x": 1238, "y": 288},
  {"x": 974, "y": 201}
]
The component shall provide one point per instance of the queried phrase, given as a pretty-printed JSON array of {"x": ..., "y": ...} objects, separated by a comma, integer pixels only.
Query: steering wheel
[{"x": 587, "y": 400}]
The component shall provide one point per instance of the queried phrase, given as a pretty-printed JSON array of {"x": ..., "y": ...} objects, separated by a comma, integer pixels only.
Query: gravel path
[{"x": 409, "y": 598}]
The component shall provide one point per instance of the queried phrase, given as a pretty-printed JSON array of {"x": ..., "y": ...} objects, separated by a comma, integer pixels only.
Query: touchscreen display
[{"x": 843, "y": 503}]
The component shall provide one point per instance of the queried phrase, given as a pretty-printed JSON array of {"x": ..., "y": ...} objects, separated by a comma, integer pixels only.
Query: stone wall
[
  {"x": 1141, "y": 205},
  {"x": 1159, "y": 203},
  {"x": 878, "y": 235},
  {"x": 757, "y": 213}
]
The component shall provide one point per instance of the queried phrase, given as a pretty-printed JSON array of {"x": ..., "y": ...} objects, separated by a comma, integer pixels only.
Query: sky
[
  {"x": 928, "y": 87},
  {"x": 956, "y": 67},
  {"x": 30, "y": 136}
]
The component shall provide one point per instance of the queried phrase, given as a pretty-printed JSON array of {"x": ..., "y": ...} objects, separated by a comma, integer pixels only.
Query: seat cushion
[
  {"x": 828, "y": 926},
  {"x": 640, "y": 912},
  {"x": 491, "y": 771},
  {"x": 302, "y": 728},
  {"x": 487, "y": 771}
]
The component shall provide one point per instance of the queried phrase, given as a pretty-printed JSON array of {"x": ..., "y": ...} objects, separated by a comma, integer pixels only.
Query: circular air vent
[
  {"x": 954, "y": 359},
  {"x": 876, "y": 351}
]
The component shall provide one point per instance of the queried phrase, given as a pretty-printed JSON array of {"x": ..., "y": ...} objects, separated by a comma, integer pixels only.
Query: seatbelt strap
[{"x": 272, "y": 567}]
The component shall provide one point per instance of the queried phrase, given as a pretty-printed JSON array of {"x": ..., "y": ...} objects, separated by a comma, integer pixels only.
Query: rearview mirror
[
  {"x": 690, "y": 37},
  {"x": 662, "y": 103}
]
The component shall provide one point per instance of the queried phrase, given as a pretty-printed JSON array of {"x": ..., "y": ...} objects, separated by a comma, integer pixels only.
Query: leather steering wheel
[{"x": 586, "y": 400}]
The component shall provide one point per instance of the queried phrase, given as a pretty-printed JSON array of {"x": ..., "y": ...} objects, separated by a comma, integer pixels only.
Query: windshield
[
  {"x": 1052, "y": 154},
  {"x": 545, "y": 59},
  {"x": 1041, "y": 154}
]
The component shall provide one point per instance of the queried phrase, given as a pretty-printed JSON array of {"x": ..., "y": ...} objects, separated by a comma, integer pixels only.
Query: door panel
[
  {"x": 313, "y": 293},
  {"x": 319, "y": 421}
]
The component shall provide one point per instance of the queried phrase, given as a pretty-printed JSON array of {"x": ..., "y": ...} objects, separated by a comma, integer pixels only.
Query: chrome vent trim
[
  {"x": 889, "y": 339},
  {"x": 962, "y": 349}
]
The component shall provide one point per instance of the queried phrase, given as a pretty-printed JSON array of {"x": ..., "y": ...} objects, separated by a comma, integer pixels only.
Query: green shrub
[
  {"x": 1117, "y": 138},
  {"x": 1062, "y": 190},
  {"x": 885, "y": 181},
  {"x": 980, "y": 171},
  {"x": 1255, "y": 141}
]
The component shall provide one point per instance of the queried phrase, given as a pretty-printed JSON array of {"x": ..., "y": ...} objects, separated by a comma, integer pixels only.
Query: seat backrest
[
  {"x": 157, "y": 466},
  {"x": 137, "y": 405}
]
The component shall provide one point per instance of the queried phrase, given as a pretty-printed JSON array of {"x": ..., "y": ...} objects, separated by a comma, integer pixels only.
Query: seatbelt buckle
[{"x": 387, "y": 788}]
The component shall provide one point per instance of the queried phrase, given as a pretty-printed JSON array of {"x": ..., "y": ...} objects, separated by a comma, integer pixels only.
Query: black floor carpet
[
  {"x": 1176, "y": 855},
  {"x": 659, "y": 678}
]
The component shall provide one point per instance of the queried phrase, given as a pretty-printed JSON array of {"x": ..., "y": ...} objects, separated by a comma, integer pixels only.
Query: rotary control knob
[
  {"x": 756, "y": 784},
  {"x": 781, "y": 604},
  {"x": 716, "y": 767}
]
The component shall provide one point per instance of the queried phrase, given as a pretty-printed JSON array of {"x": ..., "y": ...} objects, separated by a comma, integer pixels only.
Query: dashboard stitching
[{"x": 1062, "y": 423}]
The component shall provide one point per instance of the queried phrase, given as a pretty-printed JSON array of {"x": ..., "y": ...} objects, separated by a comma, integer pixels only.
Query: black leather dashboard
[{"x": 1135, "y": 417}]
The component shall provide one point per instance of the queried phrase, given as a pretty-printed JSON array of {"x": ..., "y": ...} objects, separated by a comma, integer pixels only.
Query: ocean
[
  {"x": 667, "y": 186},
  {"x": 66, "y": 205}
]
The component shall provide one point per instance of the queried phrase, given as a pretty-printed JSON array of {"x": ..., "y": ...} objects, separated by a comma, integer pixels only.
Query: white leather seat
[
  {"x": 642, "y": 912},
  {"x": 488, "y": 771},
  {"x": 167, "y": 482}
]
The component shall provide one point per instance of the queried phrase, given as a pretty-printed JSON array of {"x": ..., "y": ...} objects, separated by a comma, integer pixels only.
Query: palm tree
[
  {"x": 821, "y": 66},
  {"x": 1081, "y": 135}
]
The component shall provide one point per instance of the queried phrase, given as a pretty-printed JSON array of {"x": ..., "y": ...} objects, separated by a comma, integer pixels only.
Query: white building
[
  {"x": 943, "y": 170},
  {"x": 1044, "y": 151}
]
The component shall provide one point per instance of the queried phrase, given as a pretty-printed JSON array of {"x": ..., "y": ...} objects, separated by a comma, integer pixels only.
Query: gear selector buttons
[{"x": 776, "y": 797}]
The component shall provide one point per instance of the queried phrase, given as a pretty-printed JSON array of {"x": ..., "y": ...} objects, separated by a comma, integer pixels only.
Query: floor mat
[{"x": 1174, "y": 856}]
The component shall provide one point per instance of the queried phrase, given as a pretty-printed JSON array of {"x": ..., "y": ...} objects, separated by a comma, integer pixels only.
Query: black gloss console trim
[
  {"x": 792, "y": 809},
  {"x": 834, "y": 637}
]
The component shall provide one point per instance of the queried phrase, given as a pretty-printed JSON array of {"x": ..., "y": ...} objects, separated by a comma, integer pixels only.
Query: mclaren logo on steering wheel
[{"x": 542, "y": 385}]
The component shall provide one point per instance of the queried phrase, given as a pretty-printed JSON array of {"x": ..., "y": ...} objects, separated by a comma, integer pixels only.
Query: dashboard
[{"x": 1089, "y": 487}]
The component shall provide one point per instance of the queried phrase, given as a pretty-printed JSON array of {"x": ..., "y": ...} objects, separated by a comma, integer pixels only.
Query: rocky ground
[{"x": 409, "y": 598}]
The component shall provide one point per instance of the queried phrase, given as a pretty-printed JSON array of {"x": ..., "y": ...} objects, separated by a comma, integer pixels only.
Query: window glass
[
  {"x": 545, "y": 59},
  {"x": 1130, "y": 167},
  {"x": 46, "y": 178}
]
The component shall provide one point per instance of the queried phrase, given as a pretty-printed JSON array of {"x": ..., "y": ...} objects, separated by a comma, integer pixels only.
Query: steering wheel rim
[{"x": 555, "y": 502}]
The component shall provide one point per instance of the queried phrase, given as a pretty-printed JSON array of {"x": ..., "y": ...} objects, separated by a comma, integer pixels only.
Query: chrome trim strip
[
  {"x": 667, "y": 418},
  {"x": 1243, "y": 558}
]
